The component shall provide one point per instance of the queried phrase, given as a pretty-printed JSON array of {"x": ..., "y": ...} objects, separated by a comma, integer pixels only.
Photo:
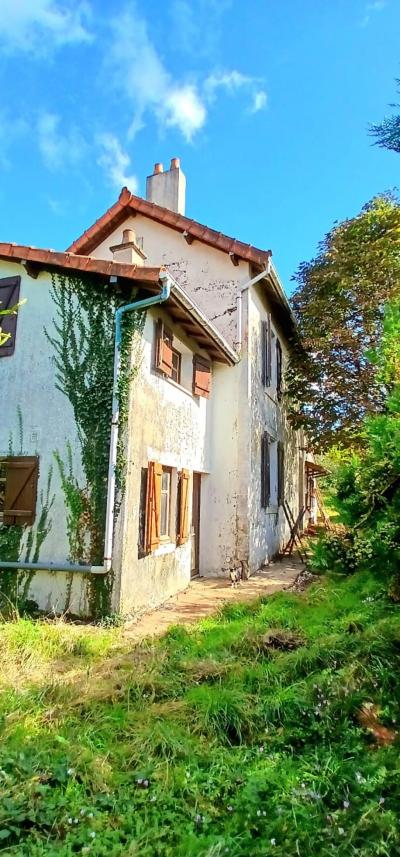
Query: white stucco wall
[
  {"x": 169, "y": 425},
  {"x": 206, "y": 274},
  {"x": 28, "y": 383}
]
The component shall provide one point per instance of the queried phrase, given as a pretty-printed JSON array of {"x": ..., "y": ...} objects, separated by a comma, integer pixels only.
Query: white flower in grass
[
  {"x": 381, "y": 800},
  {"x": 341, "y": 831},
  {"x": 346, "y": 804},
  {"x": 71, "y": 772},
  {"x": 70, "y": 821},
  {"x": 230, "y": 808},
  {"x": 92, "y": 834},
  {"x": 273, "y": 841}
]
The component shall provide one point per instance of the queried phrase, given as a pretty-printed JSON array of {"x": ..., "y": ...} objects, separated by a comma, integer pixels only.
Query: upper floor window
[
  {"x": 266, "y": 352},
  {"x": 9, "y": 297},
  {"x": 278, "y": 369}
]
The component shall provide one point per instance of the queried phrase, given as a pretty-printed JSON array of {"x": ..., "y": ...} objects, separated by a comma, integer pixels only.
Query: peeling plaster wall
[
  {"x": 206, "y": 274},
  {"x": 169, "y": 425},
  {"x": 268, "y": 527},
  {"x": 27, "y": 381}
]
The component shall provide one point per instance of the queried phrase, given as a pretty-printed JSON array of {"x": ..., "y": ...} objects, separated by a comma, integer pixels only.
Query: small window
[
  {"x": 176, "y": 366},
  {"x": 266, "y": 352},
  {"x": 9, "y": 297},
  {"x": 18, "y": 489},
  {"x": 165, "y": 503},
  {"x": 265, "y": 470},
  {"x": 278, "y": 369},
  {"x": 281, "y": 473}
]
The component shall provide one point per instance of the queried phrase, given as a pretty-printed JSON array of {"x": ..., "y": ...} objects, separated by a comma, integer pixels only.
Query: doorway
[{"x": 195, "y": 527}]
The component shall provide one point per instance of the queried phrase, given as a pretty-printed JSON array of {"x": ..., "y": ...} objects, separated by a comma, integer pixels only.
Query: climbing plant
[{"x": 82, "y": 339}]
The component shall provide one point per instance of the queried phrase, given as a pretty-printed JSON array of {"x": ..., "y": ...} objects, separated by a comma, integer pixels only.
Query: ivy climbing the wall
[{"x": 83, "y": 345}]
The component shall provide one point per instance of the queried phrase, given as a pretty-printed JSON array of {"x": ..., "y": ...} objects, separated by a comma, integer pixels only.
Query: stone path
[{"x": 205, "y": 595}]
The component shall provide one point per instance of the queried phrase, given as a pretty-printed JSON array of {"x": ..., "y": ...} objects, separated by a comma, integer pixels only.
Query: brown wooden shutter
[
  {"x": 278, "y": 369},
  {"x": 183, "y": 530},
  {"x": 281, "y": 473},
  {"x": 153, "y": 505},
  {"x": 9, "y": 296},
  {"x": 21, "y": 490},
  {"x": 163, "y": 349},
  {"x": 266, "y": 352},
  {"x": 201, "y": 377},
  {"x": 265, "y": 471}
]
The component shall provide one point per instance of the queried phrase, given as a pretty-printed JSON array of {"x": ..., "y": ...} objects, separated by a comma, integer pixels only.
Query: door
[{"x": 195, "y": 528}]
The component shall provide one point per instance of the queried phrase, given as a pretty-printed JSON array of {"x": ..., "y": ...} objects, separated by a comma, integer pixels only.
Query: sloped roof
[
  {"x": 192, "y": 230},
  {"x": 148, "y": 280}
]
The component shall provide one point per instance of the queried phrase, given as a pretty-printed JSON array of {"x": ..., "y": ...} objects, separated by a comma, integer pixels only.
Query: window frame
[
  {"x": 176, "y": 354},
  {"x": 265, "y": 470},
  {"x": 166, "y": 536}
]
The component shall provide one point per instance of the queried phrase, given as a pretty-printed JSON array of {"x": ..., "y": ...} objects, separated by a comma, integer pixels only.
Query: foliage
[
  {"x": 203, "y": 743},
  {"x": 368, "y": 484},
  {"x": 83, "y": 344},
  {"x": 387, "y": 133},
  {"x": 338, "y": 303}
]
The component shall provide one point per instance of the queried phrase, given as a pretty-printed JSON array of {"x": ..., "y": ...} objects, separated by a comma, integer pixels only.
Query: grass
[{"x": 206, "y": 742}]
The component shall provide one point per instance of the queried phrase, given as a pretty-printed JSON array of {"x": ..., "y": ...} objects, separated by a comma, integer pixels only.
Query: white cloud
[
  {"x": 198, "y": 24},
  {"x": 59, "y": 149},
  {"x": 259, "y": 101},
  {"x": 139, "y": 72},
  {"x": 184, "y": 109},
  {"x": 38, "y": 25},
  {"x": 116, "y": 163}
]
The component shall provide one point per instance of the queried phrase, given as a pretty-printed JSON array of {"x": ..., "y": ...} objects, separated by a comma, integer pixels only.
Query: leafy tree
[
  {"x": 387, "y": 133},
  {"x": 368, "y": 484},
  {"x": 338, "y": 304}
]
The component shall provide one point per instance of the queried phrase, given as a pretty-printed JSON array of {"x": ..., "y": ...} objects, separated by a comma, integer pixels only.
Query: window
[
  {"x": 176, "y": 366},
  {"x": 165, "y": 503},
  {"x": 266, "y": 352},
  {"x": 9, "y": 296},
  {"x": 168, "y": 359},
  {"x": 265, "y": 470},
  {"x": 201, "y": 376},
  {"x": 165, "y": 496},
  {"x": 278, "y": 369},
  {"x": 18, "y": 489},
  {"x": 281, "y": 473}
]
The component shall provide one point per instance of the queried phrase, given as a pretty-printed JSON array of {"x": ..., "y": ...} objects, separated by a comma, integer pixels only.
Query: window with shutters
[
  {"x": 265, "y": 470},
  {"x": 278, "y": 369},
  {"x": 281, "y": 473},
  {"x": 9, "y": 297},
  {"x": 266, "y": 363},
  {"x": 168, "y": 359},
  {"x": 201, "y": 376},
  {"x": 18, "y": 489}
]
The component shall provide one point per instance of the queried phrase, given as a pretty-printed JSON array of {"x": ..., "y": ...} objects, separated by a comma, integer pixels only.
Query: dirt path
[{"x": 205, "y": 596}]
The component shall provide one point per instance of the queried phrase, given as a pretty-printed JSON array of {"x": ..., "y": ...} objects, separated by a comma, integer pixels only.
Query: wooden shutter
[
  {"x": 281, "y": 473},
  {"x": 201, "y": 377},
  {"x": 153, "y": 505},
  {"x": 21, "y": 490},
  {"x": 183, "y": 525},
  {"x": 164, "y": 349},
  {"x": 9, "y": 296},
  {"x": 266, "y": 352},
  {"x": 278, "y": 369},
  {"x": 265, "y": 471}
]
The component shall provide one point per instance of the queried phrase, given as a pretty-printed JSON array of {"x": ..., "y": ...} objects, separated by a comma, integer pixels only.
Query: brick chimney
[
  {"x": 129, "y": 251},
  {"x": 167, "y": 188}
]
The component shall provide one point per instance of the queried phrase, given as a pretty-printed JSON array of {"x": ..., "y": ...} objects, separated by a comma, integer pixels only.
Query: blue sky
[{"x": 266, "y": 103}]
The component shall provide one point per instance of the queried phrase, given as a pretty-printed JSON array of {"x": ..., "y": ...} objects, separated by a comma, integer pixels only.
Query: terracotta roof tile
[
  {"x": 74, "y": 262},
  {"x": 128, "y": 203}
]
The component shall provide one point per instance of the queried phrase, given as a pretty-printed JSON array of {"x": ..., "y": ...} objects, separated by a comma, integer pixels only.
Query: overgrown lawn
[{"x": 240, "y": 737}]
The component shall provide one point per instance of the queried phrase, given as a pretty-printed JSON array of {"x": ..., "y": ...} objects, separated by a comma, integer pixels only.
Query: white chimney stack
[{"x": 167, "y": 188}]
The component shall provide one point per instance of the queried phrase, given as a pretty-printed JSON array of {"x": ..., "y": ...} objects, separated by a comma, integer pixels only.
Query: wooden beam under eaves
[
  {"x": 234, "y": 258},
  {"x": 188, "y": 237},
  {"x": 31, "y": 269}
]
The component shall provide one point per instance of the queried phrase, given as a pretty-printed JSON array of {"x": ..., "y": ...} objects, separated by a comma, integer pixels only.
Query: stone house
[{"x": 118, "y": 485}]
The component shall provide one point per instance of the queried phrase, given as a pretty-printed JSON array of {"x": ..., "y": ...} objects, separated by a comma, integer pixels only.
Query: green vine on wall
[{"x": 83, "y": 345}]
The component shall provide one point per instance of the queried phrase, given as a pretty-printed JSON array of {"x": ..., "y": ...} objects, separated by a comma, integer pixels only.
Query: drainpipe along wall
[{"x": 135, "y": 306}]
